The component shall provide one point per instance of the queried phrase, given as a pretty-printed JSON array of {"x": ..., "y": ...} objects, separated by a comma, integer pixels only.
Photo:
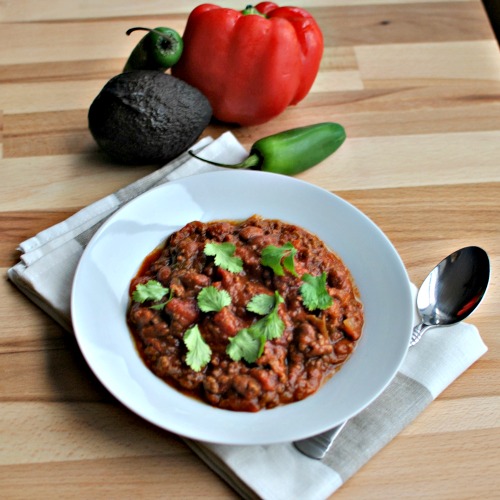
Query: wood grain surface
[{"x": 416, "y": 85}]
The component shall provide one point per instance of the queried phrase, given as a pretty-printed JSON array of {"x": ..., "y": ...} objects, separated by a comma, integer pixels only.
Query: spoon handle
[
  {"x": 317, "y": 446},
  {"x": 418, "y": 332}
]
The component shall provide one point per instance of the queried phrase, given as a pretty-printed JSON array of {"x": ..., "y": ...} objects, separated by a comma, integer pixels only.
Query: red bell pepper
[{"x": 250, "y": 64}]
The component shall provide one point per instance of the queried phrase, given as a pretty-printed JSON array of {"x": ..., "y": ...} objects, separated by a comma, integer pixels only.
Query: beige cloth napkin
[{"x": 45, "y": 273}]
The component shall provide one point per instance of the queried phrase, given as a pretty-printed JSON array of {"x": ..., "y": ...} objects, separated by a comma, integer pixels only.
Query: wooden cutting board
[{"x": 416, "y": 85}]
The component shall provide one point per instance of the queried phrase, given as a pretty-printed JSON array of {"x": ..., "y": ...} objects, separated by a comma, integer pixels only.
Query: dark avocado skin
[{"x": 147, "y": 117}]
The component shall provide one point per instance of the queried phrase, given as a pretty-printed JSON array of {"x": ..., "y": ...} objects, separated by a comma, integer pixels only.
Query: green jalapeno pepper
[
  {"x": 292, "y": 151},
  {"x": 160, "y": 49}
]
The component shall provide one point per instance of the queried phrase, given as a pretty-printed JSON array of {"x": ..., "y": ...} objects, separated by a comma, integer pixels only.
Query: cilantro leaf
[
  {"x": 246, "y": 345},
  {"x": 161, "y": 305},
  {"x": 152, "y": 290},
  {"x": 249, "y": 343},
  {"x": 224, "y": 256},
  {"x": 158, "y": 307},
  {"x": 271, "y": 326},
  {"x": 261, "y": 304},
  {"x": 314, "y": 292},
  {"x": 210, "y": 299},
  {"x": 278, "y": 258},
  {"x": 289, "y": 263},
  {"x": 199, "y": 351}
]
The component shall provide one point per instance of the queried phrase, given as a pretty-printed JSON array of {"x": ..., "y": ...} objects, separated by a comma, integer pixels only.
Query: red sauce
[{"x": 313, "y": 345}]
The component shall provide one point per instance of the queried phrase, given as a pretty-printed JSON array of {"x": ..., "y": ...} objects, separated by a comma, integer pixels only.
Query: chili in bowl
[
  {"x": 291, "y": 387},
  {"x": 244, "y": 315}
]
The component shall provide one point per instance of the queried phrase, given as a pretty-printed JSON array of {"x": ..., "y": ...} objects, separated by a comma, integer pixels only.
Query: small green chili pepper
[
  {"x": 292, "y": 151},
  {"x": 160, "y": 49}
]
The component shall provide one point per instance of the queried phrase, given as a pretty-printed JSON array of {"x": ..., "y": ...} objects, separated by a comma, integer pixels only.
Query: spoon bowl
[{"x": 452, "y": 290}]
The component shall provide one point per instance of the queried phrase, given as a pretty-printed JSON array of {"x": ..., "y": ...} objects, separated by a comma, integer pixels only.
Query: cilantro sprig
[
  {"x": 314, "y": 292},
  {"x": 245, "y": 345},
  {"x": 261, "y": 304},
  {"x": 248, "y": 343},
  {"x": 278, "y": 258},
  {"x": 224, "y": 254},
  {"x": 271, "y": 326},
  {"x": 152, "y": 290},
  {"x": 198, "y": 351},
  {"x": 210, "y": 299}
]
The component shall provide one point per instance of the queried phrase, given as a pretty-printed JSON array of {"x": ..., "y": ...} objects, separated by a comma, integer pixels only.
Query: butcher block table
[{"x": 415, "y": 83}]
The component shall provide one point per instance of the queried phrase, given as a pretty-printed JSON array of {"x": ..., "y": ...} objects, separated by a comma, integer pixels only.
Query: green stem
[
  {"x": 252, "y": 161},
  {"x": 151, "y": 30},
  {"x": 250, "y": 9}
]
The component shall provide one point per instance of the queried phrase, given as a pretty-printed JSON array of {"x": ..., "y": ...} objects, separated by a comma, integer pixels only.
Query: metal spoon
[{"x": 451, "y": 291}]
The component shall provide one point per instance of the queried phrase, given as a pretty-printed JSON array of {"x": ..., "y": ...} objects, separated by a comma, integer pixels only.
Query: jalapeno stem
[
  {"x": 253, "y": 161},
  {"x": 151, "y": 30}
]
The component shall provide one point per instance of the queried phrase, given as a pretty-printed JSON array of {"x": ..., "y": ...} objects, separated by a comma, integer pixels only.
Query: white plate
[{"x": 112, "y": 258}]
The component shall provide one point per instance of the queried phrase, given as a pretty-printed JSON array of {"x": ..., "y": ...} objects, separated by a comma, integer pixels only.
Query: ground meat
[{"x": 314, "y": 344}]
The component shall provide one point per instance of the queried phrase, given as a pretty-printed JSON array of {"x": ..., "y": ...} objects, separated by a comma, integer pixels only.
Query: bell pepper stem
[
  {"x": 253, "y": 161},
  {"x": 250, "y": 9}
]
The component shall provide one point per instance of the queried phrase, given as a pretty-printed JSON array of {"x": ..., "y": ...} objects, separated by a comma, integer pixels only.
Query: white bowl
[{"x": 112, "y": 258}]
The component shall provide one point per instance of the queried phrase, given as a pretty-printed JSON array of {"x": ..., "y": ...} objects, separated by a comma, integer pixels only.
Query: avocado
[{"x": 144, "y": 117}]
